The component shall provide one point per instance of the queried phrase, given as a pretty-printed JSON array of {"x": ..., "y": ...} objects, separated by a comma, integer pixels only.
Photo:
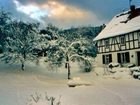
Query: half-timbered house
[{"x": 119, "y": 41}]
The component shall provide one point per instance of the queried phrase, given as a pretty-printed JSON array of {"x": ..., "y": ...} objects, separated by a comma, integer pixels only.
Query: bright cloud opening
[
  {"x": 33, "y": 11},
  {"x": 55, "y": 11}
]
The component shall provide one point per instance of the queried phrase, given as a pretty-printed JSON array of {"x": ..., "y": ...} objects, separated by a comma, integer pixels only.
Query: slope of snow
[
  {"x": 117, "y": 26},
  {"x": 16, "y": 87}
]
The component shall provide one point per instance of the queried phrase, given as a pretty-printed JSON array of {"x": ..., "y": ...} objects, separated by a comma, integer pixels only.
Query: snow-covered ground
[{"x": 16, "y": 86}]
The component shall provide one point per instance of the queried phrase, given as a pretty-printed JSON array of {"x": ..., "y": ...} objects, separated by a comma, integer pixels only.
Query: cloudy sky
[{"x": 67, "y": 13}]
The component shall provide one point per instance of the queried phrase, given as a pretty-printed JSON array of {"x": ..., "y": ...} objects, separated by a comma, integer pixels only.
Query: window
[
  {"x": 107, "y": 43},
  {"x": 107, "y": 58},
  {"x": 139, "y": 36},
  {"x": 123, "y": 57},
  {"x": 138, "y": 39},
  {"x": 122, "y": 40}
]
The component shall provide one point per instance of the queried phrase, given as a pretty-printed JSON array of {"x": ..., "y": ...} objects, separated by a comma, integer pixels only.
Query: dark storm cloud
[
  {"x": 55, "y": 11},
  {"x": 105, "y": 9},
  {"x": 97, "y": 11}
]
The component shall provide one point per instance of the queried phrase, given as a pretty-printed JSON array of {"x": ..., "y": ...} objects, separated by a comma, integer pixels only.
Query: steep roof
[{"x": 121, "y": 24}]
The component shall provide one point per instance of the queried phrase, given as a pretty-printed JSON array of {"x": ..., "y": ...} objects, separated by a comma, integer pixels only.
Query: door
[{"x": 138, "y": 58}]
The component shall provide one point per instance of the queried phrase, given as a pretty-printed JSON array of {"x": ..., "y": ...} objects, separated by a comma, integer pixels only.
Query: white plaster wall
[
  {"x": 135, "y": 59},
  {"x": 99, "y": 60},
  {"x": 114, "y": 57},
  {"x": 132, "y": 54}
]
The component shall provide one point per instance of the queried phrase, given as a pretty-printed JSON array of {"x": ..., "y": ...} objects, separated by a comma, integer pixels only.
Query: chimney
[
  {"x": 132, "y": 8},
  {"x": 134, "y": 12}
]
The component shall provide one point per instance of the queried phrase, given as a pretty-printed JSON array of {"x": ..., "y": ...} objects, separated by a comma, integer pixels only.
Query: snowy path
[
  {"x": 126, "y": 90},
  {"x": 17, "y": 92}
]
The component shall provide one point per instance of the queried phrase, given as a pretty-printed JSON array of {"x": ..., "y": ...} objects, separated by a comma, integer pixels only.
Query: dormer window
[
  {"x": 122, "y": 40},
  {"x": 107, "y": 43}
]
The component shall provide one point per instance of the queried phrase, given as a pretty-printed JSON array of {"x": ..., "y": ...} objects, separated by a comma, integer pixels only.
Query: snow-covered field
[{"x": 16, "y": 86}]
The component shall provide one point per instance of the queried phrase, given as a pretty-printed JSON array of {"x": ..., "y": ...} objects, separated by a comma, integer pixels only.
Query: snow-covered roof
[{"x": 120, "y": 24}]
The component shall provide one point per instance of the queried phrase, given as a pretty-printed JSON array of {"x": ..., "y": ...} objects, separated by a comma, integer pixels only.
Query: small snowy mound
[
  {"x": 131, "y": 65},
  {"x": 78, "y": 82},
  {"x": 111, "y": 65},
  {"x": 135, "y": 69},
  {"x": 135, "y": 72}
]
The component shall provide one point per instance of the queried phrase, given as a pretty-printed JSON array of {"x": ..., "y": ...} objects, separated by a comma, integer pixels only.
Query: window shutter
[
  {"x": 119, "y": 57},
  {"x": 103, "y": 59},
  {"x": 110, "y": 58},
  {"x": 127, "y": 57}
]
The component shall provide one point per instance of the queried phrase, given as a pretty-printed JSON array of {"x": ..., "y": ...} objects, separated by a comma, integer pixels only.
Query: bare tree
[{"x": 20, "y": 43}]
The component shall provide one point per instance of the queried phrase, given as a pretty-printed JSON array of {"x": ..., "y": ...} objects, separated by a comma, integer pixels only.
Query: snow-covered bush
[
  {"x": 78, "y": 82},
  {"x": 128, "y": 65},
  {"x": 42, "y": 99},
  {"x": 131, "y": 65},
  {"x": 112, "y": 65},
  {"x": 134, "y": 69},
  {"x": 135, "y": 72}
]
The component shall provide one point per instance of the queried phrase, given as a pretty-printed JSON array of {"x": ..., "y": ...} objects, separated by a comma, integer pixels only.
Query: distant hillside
[{"x": 86, "y": 32}]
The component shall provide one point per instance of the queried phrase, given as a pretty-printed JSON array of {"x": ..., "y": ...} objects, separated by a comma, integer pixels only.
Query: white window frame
[
  {"x": 123, "y": 58},
  {"x": 122, "y": 40},
  {"x": 106, "y": 59}
]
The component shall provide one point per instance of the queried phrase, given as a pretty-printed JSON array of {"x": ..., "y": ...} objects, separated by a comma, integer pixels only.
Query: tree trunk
[
  {"x": 68, "y": 66},
  {"x": 43, "y": 54},
  {"x": 69, "y": 74},
  {"x": 22, "y": 67},
  {"x": 24, "y": 56}
]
